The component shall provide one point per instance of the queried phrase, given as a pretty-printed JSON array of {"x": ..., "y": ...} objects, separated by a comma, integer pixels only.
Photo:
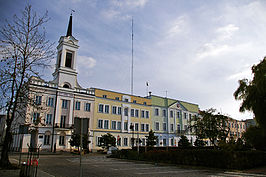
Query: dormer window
[{"x": 69, "y": 56}]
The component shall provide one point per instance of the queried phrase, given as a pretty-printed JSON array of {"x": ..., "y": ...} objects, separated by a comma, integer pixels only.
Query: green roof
[{"x": 165, "y": 102}]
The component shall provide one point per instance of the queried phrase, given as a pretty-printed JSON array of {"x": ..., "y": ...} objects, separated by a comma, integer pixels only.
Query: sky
[{"x": 194, "y": 51}]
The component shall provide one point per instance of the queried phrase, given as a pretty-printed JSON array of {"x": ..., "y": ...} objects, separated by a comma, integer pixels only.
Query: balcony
[{"x": 64, "y": 126}]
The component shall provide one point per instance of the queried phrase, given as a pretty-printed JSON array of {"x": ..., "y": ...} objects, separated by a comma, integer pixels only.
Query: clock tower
[{"x": 65, "y": 74}]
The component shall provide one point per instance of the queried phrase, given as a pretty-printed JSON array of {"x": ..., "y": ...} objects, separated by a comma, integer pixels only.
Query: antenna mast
[{"x": 132, "y": 58}]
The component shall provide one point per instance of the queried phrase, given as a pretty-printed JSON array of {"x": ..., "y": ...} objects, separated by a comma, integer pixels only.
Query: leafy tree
[
  {"x": 107, "y": 141},
  {"x": 75, "y": 141},
  {"x": 24, "y": 50},
  {"x": 151, "y": 139},
  {"x": 199, "y": 143},
  {"x": 210, "y": 125},
  {"x": 255, "y": 137},
  {"x": 253, "y": 93},
  {"x": 183, "y": 142}
]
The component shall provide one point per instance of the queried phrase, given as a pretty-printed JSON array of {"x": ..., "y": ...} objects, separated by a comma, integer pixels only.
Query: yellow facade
[{"x": 115, "y": 113}]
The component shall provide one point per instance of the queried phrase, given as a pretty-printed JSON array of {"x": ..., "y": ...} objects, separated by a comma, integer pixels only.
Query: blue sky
[{"x": 195, "y": 50}]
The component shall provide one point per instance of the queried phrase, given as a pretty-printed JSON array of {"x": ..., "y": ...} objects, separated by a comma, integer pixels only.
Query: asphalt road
[{"x": 68, "y": 165}]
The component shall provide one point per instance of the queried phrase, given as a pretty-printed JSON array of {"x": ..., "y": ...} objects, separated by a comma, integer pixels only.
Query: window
[
  {"x": 47, "y": 138},
  {"x": 136, "y": 127},
  {"x": 87, "y": 107},
  {"x": 68, "y": 60},
  {"x": 171, "y": 114},
  {"x": 185, "y": 127},
  {"x": 157, "y": 126},
  {"x": 164, "y": 142},
  {"x": 147, "y": 127},
  {"x": 172, "y": 141},
  {"x": 64, "y": 104},
  {"x": 50, "y": 101},
  {"x": 59, "y": 61},
  {"x": 172, "y": 127},
  {"x": 114, "y": 125},
  {"x": 142, "y": 127},
  {"x": 164, "y": 126},
  {"x": 126, "y": 100},
  {"x": 156, "y": 112},
  {"x": 106, "y": 124},
  {"x": 142, "y": 114},
  {"x": 106, "y": 109},
  {"x": 147, "y": 114},
  {"x": 61, "y": 140},
  {"x": 119, "y": 111},
  {"x": 63, "y": 121},
  {"x": 38, "y": 100},
  {"x": 48, "y": 120},
  {"x": 118, "y": 125},
  {"x": 134, "y": 101},
  {"x": 117, "y": 98},
  {"x": 144, "y": 103},
  {"x": 178, "y": 128},
  {"x": 125, "y": 142},
  {"x": 36, "y": 117},
  {"x": 136, "y": 113},
  {"x": 104, "y": 96},
  {"x": 178, "y": 114},
  {"x": 100, "y": 123},
  {"x": 118, "y": 141},
  {"x": 99, "y": 141},
  {"x": 77, "y": 106},
  {"x": 114, "y": 108},
  {"x": 126, "y": 111},
  {"x": 143, "y": 141},
  {"x": 190, "y": 116},
  {"x": 125, "y": 126},
  {"x": 66, "y": 86},
  {"x": 164, "y": 113},
  {"x": 132, "y": 112},
  {"x": 100, "y": 108},
  {"x": 185, "y": 115}
]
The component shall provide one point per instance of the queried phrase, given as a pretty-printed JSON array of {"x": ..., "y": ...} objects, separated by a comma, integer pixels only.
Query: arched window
[{"x": 66, "y": 85}]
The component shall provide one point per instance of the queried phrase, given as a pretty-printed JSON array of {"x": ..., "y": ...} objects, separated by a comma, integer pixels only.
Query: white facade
[{"x": 57, "y": 103}]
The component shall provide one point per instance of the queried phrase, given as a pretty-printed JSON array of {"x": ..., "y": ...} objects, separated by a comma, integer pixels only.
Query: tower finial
[{"x": 69, "y": 28}]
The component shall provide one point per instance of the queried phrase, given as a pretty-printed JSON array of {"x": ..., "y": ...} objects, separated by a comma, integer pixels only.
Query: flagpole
[{"x": 132, "y": 58}]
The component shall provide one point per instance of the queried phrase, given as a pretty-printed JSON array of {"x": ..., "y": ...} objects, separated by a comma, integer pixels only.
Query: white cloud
[
  {"x": 86, "y": 62},
  {"x": 177, "y": 26},
  {"x": 129, "y": 3},
  {"x": 246, "y": 73},
  {"x": 210, "y": 50},
  {"x": 111, "y": 13},
  {"x": 218, "y": 45},
  {"x": 226, "y": 32}
]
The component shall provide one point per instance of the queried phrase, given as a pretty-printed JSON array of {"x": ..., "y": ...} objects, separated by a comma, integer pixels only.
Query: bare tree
[{"x": 24, "y": 51}]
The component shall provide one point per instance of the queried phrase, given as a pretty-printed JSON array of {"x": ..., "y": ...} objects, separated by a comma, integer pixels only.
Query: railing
[{"x": 65, "y": 126}]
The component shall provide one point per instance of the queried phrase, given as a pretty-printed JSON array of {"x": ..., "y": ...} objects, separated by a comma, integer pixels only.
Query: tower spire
[{"x": 69, "y": 28}]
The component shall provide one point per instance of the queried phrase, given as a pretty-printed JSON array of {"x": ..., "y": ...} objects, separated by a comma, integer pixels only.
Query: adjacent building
[
  {"x": 171, "y": 119},
  {"x": 127, "y": 117}
]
